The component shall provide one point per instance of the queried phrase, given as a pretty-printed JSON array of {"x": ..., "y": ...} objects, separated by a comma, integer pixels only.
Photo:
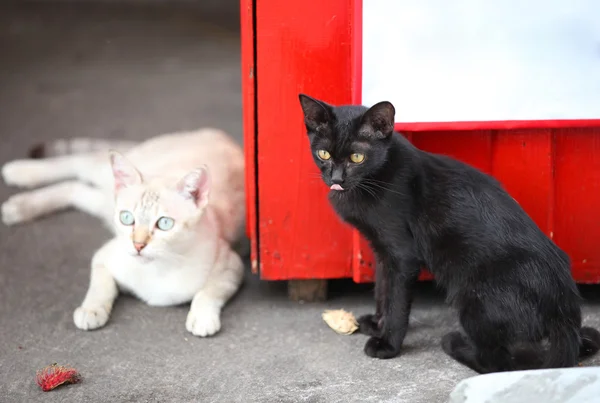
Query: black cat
[{"x": 511, "y": 284}]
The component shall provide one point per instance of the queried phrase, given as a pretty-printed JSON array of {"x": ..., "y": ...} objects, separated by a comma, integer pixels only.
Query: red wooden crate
[{"x": 552, "y": 168}]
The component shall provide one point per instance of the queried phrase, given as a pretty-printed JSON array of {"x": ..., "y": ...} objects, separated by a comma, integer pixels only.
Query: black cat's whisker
[
  {"x": 377, "y": 185},
  {"x": 366, "y": 189},
  {"x": 386, "y": 188},
  {"x": 378, "y": 181},
  {"x": 369, "y": 190},
  {"x": 381, "y": 184}
]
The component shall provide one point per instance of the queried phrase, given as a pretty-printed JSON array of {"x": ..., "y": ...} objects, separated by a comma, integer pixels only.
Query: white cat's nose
[{"x": 139, "y": 246}]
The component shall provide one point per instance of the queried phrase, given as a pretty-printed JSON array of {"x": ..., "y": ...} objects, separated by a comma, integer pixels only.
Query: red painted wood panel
[
  {"x": 315, "y": 47},
  {"x": 577, "y": 201},
  {"x": 553, "y": 174},
  {"x": 522, "y": 160},
  {"x": 497, "y": 125},
  {"x": 249, "y": 122},
  {"x": 311, "y": 52},
  {"x": 472, "y": 147}
]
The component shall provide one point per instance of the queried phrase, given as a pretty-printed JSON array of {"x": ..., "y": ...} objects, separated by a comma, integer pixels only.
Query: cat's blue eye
[
  {"x": 126, "y": 217},
  {"x": 165, "y": 223}
]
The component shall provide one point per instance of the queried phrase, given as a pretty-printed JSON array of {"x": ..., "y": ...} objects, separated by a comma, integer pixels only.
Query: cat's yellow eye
[
  {"x": 165, "y": 223},
  {"x": 126, "y": 217},
  {"x": 357, "y": 158},
  {"x": 324, "y": 155}
]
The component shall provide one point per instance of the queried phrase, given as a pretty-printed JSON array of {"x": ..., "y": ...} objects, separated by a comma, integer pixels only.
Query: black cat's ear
[
  {"x": 316, "y": 113},
  {"x": 378, "y": 121}
]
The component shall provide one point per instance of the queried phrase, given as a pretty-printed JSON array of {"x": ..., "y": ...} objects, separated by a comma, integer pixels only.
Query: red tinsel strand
[{"x": 54, "y": 375}]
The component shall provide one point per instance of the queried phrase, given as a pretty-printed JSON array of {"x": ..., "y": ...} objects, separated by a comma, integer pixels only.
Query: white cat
[{"x": 172, "y": 241}]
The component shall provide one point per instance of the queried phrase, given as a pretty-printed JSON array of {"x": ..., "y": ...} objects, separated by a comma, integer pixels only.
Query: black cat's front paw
[
  {"x": 369, "y": 325},
  {"x": 380, "y": 348}
]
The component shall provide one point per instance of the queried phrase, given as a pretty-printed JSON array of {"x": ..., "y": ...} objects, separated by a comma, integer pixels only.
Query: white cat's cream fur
[{"x": 195, "y": 178}]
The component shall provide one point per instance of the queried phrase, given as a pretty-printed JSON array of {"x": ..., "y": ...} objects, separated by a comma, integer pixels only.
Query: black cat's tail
[
  {"x": 567, "y": 346},
  {"x": 564, "y": 347},
  {"x": 590, "y": 342}
]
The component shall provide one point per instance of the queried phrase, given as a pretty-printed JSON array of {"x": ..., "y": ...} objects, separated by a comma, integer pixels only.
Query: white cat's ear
[
  {"x": 196, "y": 186},
  {"x": 317, "y": 114},
  {"x": 124, "y": 172},
  {"x": 378, "y": 121}
]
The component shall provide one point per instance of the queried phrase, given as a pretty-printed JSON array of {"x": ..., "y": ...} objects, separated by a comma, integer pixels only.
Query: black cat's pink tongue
[{"x": 336, "y": 187}]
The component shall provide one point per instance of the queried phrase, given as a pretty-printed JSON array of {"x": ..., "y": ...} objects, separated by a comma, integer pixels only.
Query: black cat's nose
[{"x": 337, "y": 177}]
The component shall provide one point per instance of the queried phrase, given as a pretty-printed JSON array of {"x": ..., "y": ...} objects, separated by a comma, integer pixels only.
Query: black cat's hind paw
[
  {"x": 454, "y": 342},
  {"x": 369, "y": 325},
  {"x": 380, "y": 348},
  {"x": 457, "y": 346}
]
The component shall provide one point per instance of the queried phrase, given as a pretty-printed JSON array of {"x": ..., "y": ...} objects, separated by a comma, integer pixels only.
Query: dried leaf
[{"x": 340, "y": 321}]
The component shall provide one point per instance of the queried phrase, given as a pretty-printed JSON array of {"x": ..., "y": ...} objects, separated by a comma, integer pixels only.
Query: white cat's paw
[
  {"x": 90, "y": 318},
  {"x": 203, "y": 322},
  {"x": 21, "y": 173},
  {"x": 16, "y": 210}
]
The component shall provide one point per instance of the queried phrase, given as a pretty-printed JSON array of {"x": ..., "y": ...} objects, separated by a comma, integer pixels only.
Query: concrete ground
[{"x": 130, "y": 72}]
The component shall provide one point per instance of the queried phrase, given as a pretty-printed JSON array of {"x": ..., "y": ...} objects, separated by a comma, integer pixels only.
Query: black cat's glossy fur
[{"x": 511, "y": 285}]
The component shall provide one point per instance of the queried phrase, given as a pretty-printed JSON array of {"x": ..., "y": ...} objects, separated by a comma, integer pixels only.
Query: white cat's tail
[{"x": 79, "y": 145}]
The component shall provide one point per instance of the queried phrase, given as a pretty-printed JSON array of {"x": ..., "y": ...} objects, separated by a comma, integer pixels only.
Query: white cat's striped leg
[
  {"x": 95, "y": 309},
  {"x": 27, "y": 206},
  {"x": 204, "y": 318},
  {"x": 30, "y": 173}
]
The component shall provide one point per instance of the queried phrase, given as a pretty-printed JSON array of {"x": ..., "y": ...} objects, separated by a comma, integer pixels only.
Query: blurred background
[{"x": 126, "y": 69}]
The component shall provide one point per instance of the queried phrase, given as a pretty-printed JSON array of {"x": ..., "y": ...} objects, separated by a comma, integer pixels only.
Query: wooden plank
[
  {"x": 301, "y": 47},
  {"x": 312, "y": 290},
  {"x": 249, "y": 121},
  {"x": 523, "y": 160},
  {"x": 471, "y": 147},
  {"x": 577, "y": 201}
]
